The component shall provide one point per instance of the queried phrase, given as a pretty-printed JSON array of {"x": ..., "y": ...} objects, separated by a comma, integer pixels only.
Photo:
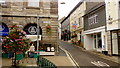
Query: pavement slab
[{"x": 59, "y": 60}]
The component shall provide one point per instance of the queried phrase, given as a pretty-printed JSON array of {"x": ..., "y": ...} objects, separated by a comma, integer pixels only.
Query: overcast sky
[{"x": 64, "y": 9}]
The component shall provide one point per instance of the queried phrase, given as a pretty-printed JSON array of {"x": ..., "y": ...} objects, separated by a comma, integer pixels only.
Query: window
[
  {"x": 93, "y": 19},
  {"x": 80, "y": 21},
  {"x": 33, "y": 3}
]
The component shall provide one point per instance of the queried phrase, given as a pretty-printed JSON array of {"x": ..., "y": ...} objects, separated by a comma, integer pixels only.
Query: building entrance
[
  {"x": 97, "y": 41},
  {"x": 116, "y": 42}
]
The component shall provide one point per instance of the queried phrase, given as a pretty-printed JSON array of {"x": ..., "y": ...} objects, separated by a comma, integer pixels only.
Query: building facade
[
  {"x": 77, "y": 21},
  {"x": 95, "y": 29},
  {"x": 27, "y": 13},
  {"x": 65, "y": 29},
  {"x": 113, "y": 26},
  {"x": 59, "y": 28}
]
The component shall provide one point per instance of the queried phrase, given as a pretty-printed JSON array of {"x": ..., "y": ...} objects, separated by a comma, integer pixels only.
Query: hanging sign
[
  {"x": 31, "y": 29},
  {"x": 74, "y": 26}
]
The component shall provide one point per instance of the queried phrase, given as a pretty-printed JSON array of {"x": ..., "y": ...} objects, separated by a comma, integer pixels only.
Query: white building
[
  {"x": 113, "y": 26},
  {"x": 95, "y": 29}
]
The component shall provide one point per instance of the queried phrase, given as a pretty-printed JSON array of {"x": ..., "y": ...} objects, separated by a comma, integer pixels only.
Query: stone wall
[{"x": 20, "y": 13}]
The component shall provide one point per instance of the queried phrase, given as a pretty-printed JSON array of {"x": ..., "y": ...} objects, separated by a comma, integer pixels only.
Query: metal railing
[{"x": 44, "y": 63}]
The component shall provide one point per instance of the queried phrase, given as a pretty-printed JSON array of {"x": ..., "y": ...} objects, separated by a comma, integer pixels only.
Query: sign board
[
  {"x": 47, "y": 53},
  {"x": 74, "y": 26},
  {"x": 4, "y": 30},
  {"x": 31, "y": 29},
  {"x": 33, "y": 37},
  {"x": 47, "y": 22}
]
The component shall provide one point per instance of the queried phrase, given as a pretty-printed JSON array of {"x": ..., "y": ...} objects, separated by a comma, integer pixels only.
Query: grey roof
[{"x": 95, "y": 8}]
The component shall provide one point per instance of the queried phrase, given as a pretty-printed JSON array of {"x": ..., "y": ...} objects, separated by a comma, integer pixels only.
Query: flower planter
[
  {"x": 4, "y": 55},
  {"x": 19, "y": 56}
]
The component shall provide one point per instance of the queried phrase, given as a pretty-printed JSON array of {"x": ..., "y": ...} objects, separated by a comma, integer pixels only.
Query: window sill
[{"x": 32, "y": 7}]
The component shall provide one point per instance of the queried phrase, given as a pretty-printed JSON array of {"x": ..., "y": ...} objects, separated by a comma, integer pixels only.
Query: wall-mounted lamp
[{"x": 109, "y": 18}]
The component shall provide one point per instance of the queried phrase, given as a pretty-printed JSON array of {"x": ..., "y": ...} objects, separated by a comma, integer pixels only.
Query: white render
[
  {"x": 89, "y": 39},
  {"x": 112, "y": 14}
]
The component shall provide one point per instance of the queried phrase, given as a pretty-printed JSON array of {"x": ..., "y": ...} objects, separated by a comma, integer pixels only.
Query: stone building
[
  {"x": 65, "y": 29},
  {"x": 27, "y": 13}
]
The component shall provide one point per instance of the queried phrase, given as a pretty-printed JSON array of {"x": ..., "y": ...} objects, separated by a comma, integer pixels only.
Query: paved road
[{"x": 86, "y": 59}]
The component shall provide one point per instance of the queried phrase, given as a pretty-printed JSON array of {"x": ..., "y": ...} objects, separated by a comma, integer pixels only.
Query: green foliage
[{"x": 48, "y": 29}]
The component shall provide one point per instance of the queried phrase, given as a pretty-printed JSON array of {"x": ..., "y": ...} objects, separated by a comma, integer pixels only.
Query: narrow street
[{"x": 86, "y": 59}]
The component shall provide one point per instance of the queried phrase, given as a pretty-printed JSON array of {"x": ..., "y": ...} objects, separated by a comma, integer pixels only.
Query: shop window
[{"x": 80, "y": 21}]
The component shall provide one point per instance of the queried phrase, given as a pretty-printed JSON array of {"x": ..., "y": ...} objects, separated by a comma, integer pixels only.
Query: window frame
[{"x": 93, "y": 19}]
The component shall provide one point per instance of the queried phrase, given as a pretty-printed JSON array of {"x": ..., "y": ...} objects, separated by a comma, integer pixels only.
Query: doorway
[
  {"x": 115, "y": 43},
  {"x": 97, "y": 41}
]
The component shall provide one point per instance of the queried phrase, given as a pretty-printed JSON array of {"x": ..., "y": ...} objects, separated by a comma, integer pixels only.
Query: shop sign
[
  {"x": 4, "y": 30},
  {"x": 82, "y": 38},
  {"x": 74, "y": 26},
  {"x": 31, "y": 29}
]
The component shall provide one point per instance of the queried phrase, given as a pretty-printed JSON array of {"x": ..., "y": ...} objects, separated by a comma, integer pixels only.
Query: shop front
[
  {"x": 44, "y": 48},
  {"x": 95, "y": 39},
  {"x": 95, "y": 42}
]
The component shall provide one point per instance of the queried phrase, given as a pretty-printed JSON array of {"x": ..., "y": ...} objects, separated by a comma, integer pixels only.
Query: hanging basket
[{"x": 48, "y": 29}]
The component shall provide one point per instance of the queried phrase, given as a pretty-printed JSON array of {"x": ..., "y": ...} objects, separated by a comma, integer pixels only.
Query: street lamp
[{"x": 59, "y": 28}]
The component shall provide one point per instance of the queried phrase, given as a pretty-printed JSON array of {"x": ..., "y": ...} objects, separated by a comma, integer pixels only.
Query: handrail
[{"x": 44, "y": 63}]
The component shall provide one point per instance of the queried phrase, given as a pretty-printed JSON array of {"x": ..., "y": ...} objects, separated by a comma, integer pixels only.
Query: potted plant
[{"x": 48, "y": 29}]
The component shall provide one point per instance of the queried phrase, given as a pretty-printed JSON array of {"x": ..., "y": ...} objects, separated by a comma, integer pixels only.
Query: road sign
[{"x": 4, "y": 30}]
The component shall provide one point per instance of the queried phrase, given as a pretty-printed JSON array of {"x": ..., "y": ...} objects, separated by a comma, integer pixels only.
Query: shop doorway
[
  {"x": 115, "y": 43},
  {"x": 97, "y": 41}
]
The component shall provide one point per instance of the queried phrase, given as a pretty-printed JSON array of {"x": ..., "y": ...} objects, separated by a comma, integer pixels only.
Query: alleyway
[{"x": 86, "y": 59}]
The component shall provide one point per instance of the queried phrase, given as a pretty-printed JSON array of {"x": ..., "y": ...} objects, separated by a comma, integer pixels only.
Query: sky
[{"x": 64, "y": 9}]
